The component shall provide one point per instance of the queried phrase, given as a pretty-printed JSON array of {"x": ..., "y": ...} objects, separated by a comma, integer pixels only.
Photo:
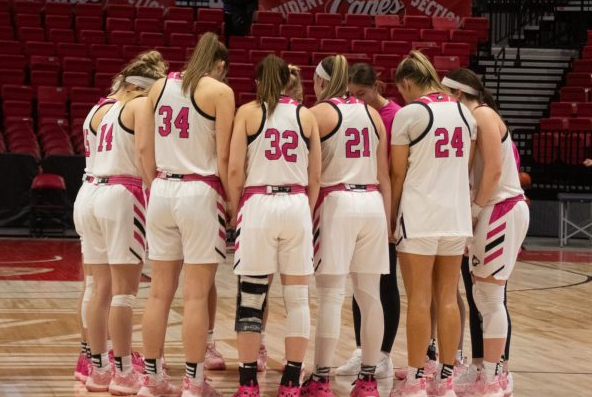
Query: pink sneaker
[
  {"x": 365, "y": 388},
  {"x": 484, "y": 389},
  {"x": 429, "y": 370},
  {"x": 289, "y": 391},
  {"x": 247, "y": 391},
  {"x": 507, "y": 384},
  {"x": 262, "y": 359},
  {"x": 214, "y": 360},
  {"x": 405, "y": 389},
  {"x": 202, "y": 389},
  {"x": 151, "y": 387},
  {"x": 98, "y": 381},
  {"x": 465, "y": 382},
  {"x": 137, "y": 362},
  {"x": 316, "y": 388},
  {"x": 441, "y": 387},
  {"x": 125, "y": 384},
  {"x": 83, "y": 368},
  {"x": 401, "y": 373}
]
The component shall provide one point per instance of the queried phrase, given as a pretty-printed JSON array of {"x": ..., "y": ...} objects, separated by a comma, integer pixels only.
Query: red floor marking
[
  {"x": 556, "y": 256},
  {"x": 16, "y": 254}
]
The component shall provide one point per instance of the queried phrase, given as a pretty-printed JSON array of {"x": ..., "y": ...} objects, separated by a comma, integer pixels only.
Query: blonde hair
[
  {"x": 148, "y": 64},
  {"x": 418, "y": 68},
  {"x": 294, "y": 88},
  {"x": 207, "y": 52},
  {"x": 272, "y": 76},
  {"x": 336, "y": 67}
]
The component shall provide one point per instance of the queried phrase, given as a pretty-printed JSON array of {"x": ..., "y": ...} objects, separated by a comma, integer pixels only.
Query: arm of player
[
  {"x": 225, "y": 108},
  {"x": 236, "y": 163},
  {"x": 384, "y": 183},
  {"x": 144, "y": 128},
  {"x": 399, "y": 159},
  {"x": 309, "y": 123},
  {"x": 490, "y": 148}
]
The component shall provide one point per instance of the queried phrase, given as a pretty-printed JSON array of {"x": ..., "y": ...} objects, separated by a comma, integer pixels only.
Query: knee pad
[
  {"x": 329, "y": 316},
  {"x": 85, "y": 299},
  {"x": 123, "y": 301},
  {"x": 489, "y": 299},
  {"x": 250, "y": 303},
  {"x": 298, "y": 311}
]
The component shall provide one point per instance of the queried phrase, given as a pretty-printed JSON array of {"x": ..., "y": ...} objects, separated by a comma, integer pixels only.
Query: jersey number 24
[{"x": 444, "y": 139}]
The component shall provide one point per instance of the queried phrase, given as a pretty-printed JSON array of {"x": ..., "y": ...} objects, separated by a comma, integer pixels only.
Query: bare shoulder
[
  {"x": 485, "y": 113},
  {"x": 156, "y": 88},
  {"x": 216, "y": 87},
  {"x": 321, "y": 109}
]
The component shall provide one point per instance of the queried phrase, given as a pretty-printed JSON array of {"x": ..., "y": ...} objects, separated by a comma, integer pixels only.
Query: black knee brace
[{"x": 250, "y": 303}]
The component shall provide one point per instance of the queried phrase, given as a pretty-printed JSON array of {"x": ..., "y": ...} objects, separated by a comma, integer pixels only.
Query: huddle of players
[{"x": 309, "y": 191}]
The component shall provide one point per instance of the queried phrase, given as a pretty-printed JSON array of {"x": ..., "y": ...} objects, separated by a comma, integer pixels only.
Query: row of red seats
[
  {"x": 570, "y": 148},
  {"x": 555, "y": 124},
  {"x": 54, "y": 140},
  {"x": 571, "y": 109}
]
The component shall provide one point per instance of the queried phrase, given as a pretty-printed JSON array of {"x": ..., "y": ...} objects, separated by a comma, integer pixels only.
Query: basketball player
[
  {"x": 364, "y": 85},
  {"x": 274, "y": 174},
  {"x": 82, "y": 210},
  {"x": 184, "y": 152},
  {"x": 432, "y": 142},
  {"x": 114, "y": 234},
  {"x": 350, "y": 224},
  {"x": 500, "y": 221},
  {"x": 293, "y": 90}
]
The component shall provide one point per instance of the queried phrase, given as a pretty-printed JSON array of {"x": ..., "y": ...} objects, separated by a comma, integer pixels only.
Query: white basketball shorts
[
  {"x": 82, "y": 206},
  {"x": 440, "y": 246},
  {"x": 499, "y": 233},
  {"x": 351, "y": 234},
  {"x": 186, "y": 220},
  {"x": 115, "y": 232},
  {"x": 274, "y": 234}
]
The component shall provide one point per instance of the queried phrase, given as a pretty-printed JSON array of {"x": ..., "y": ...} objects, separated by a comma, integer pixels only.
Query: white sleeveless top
[
  {"x": 115, "y": 150},
  {"x": 349, "y": 153},
  {"x": 436, "y": 194},
  {"x": 185, "y": 136},
  {"x": 90, "y": 135},
  {"x": 508, "y": 185},
  {"x": 277, "y": 154}
]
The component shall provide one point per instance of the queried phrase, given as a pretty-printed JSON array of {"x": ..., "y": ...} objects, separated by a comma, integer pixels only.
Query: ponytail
[
  {"x": 148, "y": 65},
  {"x": 417, "y": 68},
  {"x": 272, "y": 76},
  {"x": 336, "y": 67},
  {"x": 470, "y": 79},
  {"x": 294, "y": 88},
  {"x": 208, "y": 51}
]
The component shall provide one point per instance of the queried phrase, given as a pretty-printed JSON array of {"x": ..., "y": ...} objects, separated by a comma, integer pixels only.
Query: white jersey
[
  {"x": 115, "y": 149},
  {"x": 436, "y": 196},
  {"x": 349, "y": 152},
  {"x": 90, "y": 135},
  {"x": 185, "y": 136},
  {"x": 277, "y": 154},
  {"x": 508, "y": 185}
]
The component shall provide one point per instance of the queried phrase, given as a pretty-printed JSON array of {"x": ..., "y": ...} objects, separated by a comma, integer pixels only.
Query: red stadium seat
[
  {"x": 41, "y": 62},
  {"x": 319, "y": 56},
  {"x": 52, "y": 94},
  {"x": 292, "y": 31},
  {"x": 88, "y": 23},
  {"x": 264, "y": 29},
  {"x": 71, "y": 64},
  {"x": 210, "y": 14},
  {"x": 200, "y": 27},
  {"x": 104, "y": 51},
  {"x": 27, "y": 7},
  {"x": 246, "y": 42},
  {"x": 76, "y": 79},
  {"x": 465, "y": 36},
  {"x": 103, "y": 82},
  {"x": 12, "y": 61},
  {"x": 119, "y": 11},
  {"x": 182, "y": 40},
  {"x": 335, "y": 45},
  {"x": 27, "y": 20},
  {"x": 31, "y": 34},
  {"x": 108, "y": 65},
  {"x": 377, "y": 34},
  {"x": 319, "y": 32},
  {"x": 147, "y": 25},
  {"x": 479, "y": 25},
  {"x": 72, "y": 50},
  {"x": 91, "y": 37},
  {"x": 574, "y": 94},
  {"x": 435, "y": 35},
  {"x": 245, "y": 97},
  {"x": 357, "y": 58},
  {"x": 89, "y": 9},
  {"x": 348, "y": 32},
  {"x": 122, "y": 37},
  {"x": 151, "y": 39},
  {"x": 327, "y": 19},
  {"x": 444, "y": 23},
  {"x": 149, "y": 13},
  {"x": 396, "y": 47},
  {"x": 242, "y": 70},
  {"x": 404, "y": 34},
  {"x": 172, "y": 54},
  {"x": 44, "y": 77},
  {"x": 300, "y": 18},
  {"x": 273, "y": 43},
  {"x": 583, "y": 109},
  {"x": 5, "y": 19},
  {"x": 579, "y": 124},
  {"x": 387, "y": 61},
  {"x": 544, "y": 146},
  {"x": 58, "y": 21},
  {"x": 39, "y": 48},
  {"x": 61, "y": 36},
  {"x": 461, "y": 50},
  {"x": 417, "y": 21},
  {"x": 17, "y": 93},
  {"x": 446, "y": 62},
  {"x": 304, "y": 44},
  {"x": 582, "y": 65},
  {"x": 553, "y": 124},
  {"x": 299, "y": 58},
  {"x": 130, "y": 51},
  {"x": 61, "y": 9},
  {"x": 387, "y": 21},
  {"x": 238, "y": 55},
  {"x": 12, "y": 76},
  {"x": 256, "y": 56},
  {"x": 365, "y": 46},
  {"x": 6, "y": 33},
  {"x": 275, "y": 18},
  {"x": 575, "y": 79},
  {"x": 575, "y": 146},
  {"x": 241, "y": 84},
  {"x": 176, "y": 27},
  {"x": 112, "y": 24},
  {"x": 179, "y": 14},
  {"x": 16, "y": 108},
  {"x": 10, "y": 47},
  {"x": 359, "y": 20}
]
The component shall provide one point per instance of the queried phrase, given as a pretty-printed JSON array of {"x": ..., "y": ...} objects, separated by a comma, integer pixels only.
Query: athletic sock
[
  {"x": 321, "y": 373},
  {"x": 489, "y": 371},
  {"x": 210, "y": 336},
  {"x": 291, "y": 375},
  {"x": 109, "y": 345},
  {"x": 153, "y": 366},
  {"x": 84, "y": 348},
  {"x": 447, "y": 371},
  {"x": 414, "y": 374},
  {"x": 195, "y": 372},
  {"x": 100, "y": 361},
  {"x": 262, "y": 338},
  {"x": 432, "y": 350},
  {"x": 367, "y": 372},
  {"x": 459, "y": 356},
  {"x": 247, "y": 373},
  {"x": 123, "y": 364}
]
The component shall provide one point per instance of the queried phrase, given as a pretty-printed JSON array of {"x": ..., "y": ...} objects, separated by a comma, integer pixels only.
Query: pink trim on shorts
[
  {"x": 502, "y": 208},
  {"x": 250, "y": 191},
  {"x": 495, "y": 231},
  {"x": 139, "y": 239},
  {"x": 212, "y": 181},
  {"x": 342, "y": 187},
  {"x": 132, "y": 183},
  {"x": 493, "y": 256},
  {"x": 220, "y": 207}
]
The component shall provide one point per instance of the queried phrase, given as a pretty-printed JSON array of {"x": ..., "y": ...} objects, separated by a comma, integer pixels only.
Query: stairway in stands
[{"x": 527, "y": 81}]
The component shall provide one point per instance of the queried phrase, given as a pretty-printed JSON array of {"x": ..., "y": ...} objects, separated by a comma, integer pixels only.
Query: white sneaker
[
  {"x": 465, "y": 382},
  {"x": 352, "y": 366},
  {"x": 507, "y": 383},
  {"x": 384, "y": 368}
]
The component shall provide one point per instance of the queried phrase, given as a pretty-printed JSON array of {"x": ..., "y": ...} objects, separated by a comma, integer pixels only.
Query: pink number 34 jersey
[
  {"x": 185, "y": 136},
  {"x": 277, "y": 154}
]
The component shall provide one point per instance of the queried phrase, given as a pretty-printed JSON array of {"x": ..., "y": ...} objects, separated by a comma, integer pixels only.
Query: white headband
[
  {"x": 322, "y": 73},
  {"x": 139, "y": 81},
  {"x": 459, "y": 86}
]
